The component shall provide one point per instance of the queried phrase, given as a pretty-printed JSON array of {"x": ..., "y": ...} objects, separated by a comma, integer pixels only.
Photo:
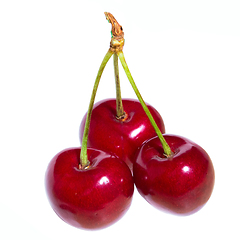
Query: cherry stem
[
  {"x": 83, "y": 155},
  {"x": 119, "y": 106},
  {"x": 166, "y": 148}
]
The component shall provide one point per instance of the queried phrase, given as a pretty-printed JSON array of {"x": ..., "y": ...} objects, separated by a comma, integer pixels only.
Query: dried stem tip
[{"x": 117, "y": 40}]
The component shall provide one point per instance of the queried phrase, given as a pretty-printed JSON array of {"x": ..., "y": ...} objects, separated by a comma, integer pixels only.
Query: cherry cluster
[{"x": 124, "y": 144}]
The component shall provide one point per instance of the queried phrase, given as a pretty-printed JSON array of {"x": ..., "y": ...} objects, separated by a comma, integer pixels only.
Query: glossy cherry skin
[
  {"x": 120, "y": 137},
  {"x": 91, "y": 198},
  {"x": 180, "y": 184}
]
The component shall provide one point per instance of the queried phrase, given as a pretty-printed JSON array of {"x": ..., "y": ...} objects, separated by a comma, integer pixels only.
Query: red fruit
[
  {"x": 91, "y": 198},
  {"x": 120, "y": 137},
  {"x": 180, "y": 184}
]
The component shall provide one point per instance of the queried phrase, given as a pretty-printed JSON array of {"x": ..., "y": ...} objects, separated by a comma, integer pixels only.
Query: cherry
[
  {"x": 181, "y": 183},
  {"x": 89, "y": 188},
  {"x": 93, "y": 197},
  {"x": 121, "y": 137}
]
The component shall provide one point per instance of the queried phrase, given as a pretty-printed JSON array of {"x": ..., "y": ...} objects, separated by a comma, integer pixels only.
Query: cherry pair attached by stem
[{"x": 124, "y": 143}]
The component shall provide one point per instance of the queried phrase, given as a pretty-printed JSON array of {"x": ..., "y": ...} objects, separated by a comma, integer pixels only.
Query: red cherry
[
  {"x": 120, "y": 137},
  {"x": 179, "y": 184},
  {"x": 91, "y": 198}
]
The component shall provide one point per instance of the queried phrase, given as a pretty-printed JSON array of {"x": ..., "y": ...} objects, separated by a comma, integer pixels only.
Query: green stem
[
  {"x": 166, "y": 148},
  {"x": 83, "y": 156},
  {"x": 119, "y": 106}
]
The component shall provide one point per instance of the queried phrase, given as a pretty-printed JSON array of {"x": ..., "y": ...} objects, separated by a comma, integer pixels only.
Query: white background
[{"x": 185, "y": 59}]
